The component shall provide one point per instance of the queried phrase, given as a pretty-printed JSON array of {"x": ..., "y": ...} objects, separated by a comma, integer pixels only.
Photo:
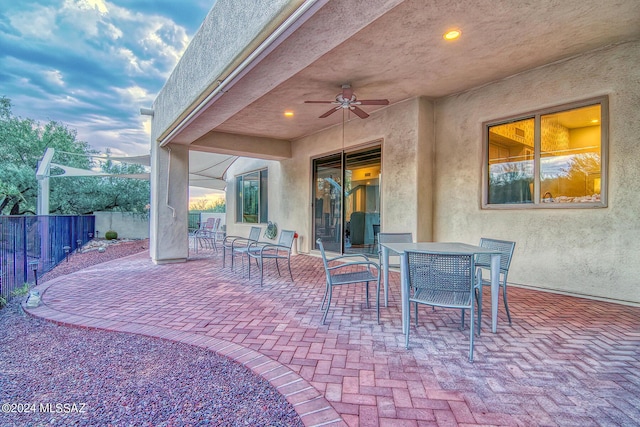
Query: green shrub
[
  {"x": 110, "y": 235},
  {"x": 22, "y": 290}
]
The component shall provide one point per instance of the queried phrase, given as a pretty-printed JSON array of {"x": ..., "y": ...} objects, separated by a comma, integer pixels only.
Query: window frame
[
  {"x": 262, "y": 196},
  {"x": 603, "y": 101}
]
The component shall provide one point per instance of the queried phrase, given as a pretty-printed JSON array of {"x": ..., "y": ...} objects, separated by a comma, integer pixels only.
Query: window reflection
[
  {"x": 570, "y": 150},
  {"x": 563, "y": 148},
  {"x": 511, "y": 148},
  {"x": 346, "y": 199},
  {"x": 252, "y": 197}
]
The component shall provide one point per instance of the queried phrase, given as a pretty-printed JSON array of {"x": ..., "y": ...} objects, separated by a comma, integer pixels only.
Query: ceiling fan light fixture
[
  {"x": 347, "y": 100},
  {"x": 452, "y": 34}
]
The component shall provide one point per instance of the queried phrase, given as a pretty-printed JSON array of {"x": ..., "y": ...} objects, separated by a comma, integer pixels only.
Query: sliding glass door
[
  {"x": 327, "y": 202},
  {"x": 362, "y": 200},
  {"x": 346, "y": 200}
]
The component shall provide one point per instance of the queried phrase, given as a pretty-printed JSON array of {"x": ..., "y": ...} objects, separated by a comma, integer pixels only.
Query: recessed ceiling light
[
  {"x": 452, "y": 34},
  {"x": 288, "y": 113}
]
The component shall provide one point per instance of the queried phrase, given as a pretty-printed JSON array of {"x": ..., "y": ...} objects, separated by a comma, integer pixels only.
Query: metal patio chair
[
  {"x": 394, "y": 238},
  {"x": 390, "y": 238},
  {"x": 483, "y": 262},
  {"x": 208, "y": 236},
  {"x": 238, "y": 244},
  {"x": 443, "y": 280},
  {"x": 200, "y": 232},
  {"x": 261, "y": 251},
  {"x": 347, "y": 273},
  {"x": 376, "y": 231}
]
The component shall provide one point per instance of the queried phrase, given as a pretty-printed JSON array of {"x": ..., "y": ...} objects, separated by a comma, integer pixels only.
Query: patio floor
[{"x": 565, "y": 361}]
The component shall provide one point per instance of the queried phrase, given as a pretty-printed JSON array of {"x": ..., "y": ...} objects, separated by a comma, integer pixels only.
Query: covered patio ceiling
[{"x": 395, "y": 50}]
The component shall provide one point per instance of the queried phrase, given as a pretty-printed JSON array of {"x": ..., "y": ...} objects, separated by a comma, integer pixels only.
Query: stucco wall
[
  {"x": 228, "y": 34},
  {"x": 127, "y": 225},
  {"x": 169, "y": 216},
  {"x": 426, "y": 170},
  {"x": 586, "y": 251},
  {"x": 431, "y": 176},
  {"x": 403, "y": 193},
  {"x": 204, "y": 216},
  {"x": 225, "y": 35}
]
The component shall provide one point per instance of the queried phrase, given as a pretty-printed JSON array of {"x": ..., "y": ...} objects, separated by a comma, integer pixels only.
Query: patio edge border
[{"x": 310, "y": 404}]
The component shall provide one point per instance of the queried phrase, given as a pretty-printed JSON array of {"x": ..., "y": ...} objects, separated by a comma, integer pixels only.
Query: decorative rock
[
  {"x": 125, "y": 379},
  {"x": 33, "y": 300}
]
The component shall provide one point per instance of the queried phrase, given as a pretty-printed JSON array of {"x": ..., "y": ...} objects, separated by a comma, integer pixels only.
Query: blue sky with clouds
[{"x": 91, "y": 64}]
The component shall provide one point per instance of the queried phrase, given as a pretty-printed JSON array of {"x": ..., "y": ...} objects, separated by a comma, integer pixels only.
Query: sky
[{"x": 92, "y": 64}]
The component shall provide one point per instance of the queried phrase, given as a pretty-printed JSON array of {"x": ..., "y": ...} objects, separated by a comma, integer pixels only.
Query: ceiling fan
[{"x": 347, "y": 100}]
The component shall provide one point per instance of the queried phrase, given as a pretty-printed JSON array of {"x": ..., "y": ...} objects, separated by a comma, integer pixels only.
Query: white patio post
[
  {"x": 169, "y": 222},
  {"x": 42, "y": 175}
]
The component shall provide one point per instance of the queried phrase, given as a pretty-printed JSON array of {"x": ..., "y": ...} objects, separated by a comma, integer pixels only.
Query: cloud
[
  {"x": 38, "y": 23},
  {"x": 54, "y": 76},
  {"x": 135, "y": 94},
  {"x": 91, "y": 64},
  {"x": 99, "y": 5}
]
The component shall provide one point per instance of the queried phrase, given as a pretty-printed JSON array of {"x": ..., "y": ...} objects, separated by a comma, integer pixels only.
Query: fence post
[{"x": 25, "y": 251}]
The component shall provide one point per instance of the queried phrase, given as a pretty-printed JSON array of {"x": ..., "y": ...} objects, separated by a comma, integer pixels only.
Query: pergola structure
[{"x": 206, "y": 170}]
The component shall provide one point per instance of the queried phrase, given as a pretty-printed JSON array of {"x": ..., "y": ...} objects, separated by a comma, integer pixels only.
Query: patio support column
[
  {"x": 425, "y": 164},
  {"x": 169, "y": 241}
]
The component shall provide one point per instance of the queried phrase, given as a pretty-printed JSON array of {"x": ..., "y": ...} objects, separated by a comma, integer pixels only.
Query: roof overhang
[{"x": 395, "y": 50}]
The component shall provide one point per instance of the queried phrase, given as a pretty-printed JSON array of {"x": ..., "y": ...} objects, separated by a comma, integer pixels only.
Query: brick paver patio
[{"x": 565, "y": 361}]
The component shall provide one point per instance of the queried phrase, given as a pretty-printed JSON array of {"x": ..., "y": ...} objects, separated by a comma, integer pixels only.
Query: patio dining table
[{"x": 400, "y": 249}]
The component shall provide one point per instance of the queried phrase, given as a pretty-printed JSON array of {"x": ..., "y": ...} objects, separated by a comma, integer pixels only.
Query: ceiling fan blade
[
  {"x": 319, "y": 102},
  {"x": 374, "y": 102},
  {"x": 330, "y": 112},
  {"x": 359, "y": 112}
]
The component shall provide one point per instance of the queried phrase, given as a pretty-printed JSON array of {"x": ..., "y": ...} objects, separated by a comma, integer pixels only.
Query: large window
[
  {"x": 552, "y": 158},
  {"x": 252, "y": 197}
]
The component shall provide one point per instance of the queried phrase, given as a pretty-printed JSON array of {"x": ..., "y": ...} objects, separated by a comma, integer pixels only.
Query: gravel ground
[
  {"x": 90, "y": 255},
  {"x": 60, "y": 376}
]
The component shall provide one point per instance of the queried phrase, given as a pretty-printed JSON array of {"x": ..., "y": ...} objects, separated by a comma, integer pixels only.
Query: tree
[
  {"x": 123, "y": 194},
  {"x": 219, "y": 206},
  {"x": 22, "y": 144},
  {"x": 206, "y": 205}
]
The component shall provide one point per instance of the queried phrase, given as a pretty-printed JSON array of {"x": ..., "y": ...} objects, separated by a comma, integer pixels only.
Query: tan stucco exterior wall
[
  {"x": 425, "y": 160},
  {"x": 431, "y": 176},
  {"x": 585, "y": 251},
  {"x": 406, "y": 133},
  {"x": 226, "y": 34}
]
